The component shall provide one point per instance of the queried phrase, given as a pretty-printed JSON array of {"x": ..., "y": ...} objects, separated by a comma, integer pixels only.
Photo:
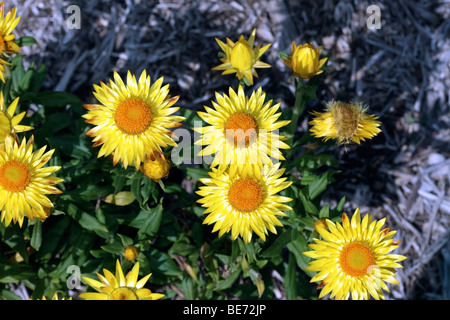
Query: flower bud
[
  {"x": 321, "y": 223},
  {"x": 156, "y": 167},
  {"x": 130, "y": 253},
  {"x": 242, "y": 56},
  {"x": 304, "y": 61}
]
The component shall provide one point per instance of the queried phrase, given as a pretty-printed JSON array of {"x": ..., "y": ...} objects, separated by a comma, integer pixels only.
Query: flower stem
[{"x": 299, "y": 108}]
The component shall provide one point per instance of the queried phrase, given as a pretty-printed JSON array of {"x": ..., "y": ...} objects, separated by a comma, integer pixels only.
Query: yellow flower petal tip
[{"x": 345, "y": 123}]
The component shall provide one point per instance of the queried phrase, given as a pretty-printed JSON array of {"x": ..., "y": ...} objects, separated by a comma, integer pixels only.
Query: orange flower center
[
  {"x": 123, "y": 293},
  {"x": 245, "y": 195},
  {"x": 356, "y": 258},
  {"x": 14, "y": 176},
  {"x": 133, "y": 116},
  {"x": 241, "y": 128}
]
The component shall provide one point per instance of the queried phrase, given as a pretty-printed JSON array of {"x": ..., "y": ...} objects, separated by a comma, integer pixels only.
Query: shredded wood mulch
[{"x": 400, "y": 70}]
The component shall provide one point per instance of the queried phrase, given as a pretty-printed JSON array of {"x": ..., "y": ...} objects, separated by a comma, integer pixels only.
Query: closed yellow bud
[
  {"x": 130, "y": 253},
  {"x": 304, "y": 61},
  {"x": 321, "y": 223},
  {"x": 156, "y": 167},
  {"x": 242, "y": 56}
]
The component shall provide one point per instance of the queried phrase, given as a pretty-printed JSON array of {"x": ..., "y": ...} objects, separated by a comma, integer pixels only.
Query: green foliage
[{"x": 163, "y": 221}]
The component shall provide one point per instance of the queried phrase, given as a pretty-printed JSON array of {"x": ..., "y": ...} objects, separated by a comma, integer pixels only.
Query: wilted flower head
[
  {"x": 241, "y": 57},
  {"x": 304, "y": 61},
  {"x": 345, "y": 123}
]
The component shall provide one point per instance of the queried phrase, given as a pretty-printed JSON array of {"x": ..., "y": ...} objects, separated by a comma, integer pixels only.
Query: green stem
[{"x": 299, "y": 108}]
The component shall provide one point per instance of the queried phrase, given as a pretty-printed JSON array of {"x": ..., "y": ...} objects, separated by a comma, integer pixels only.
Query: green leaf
[
  {"x": 114, "y": 248},
  {"x": 52, "y": 237},
  {"x": 307, "y": 204},
  {"x": 187, "y": 286},
  {"x": 17, "y": 243},
  {"x": 36, "y": 236},
  {"x": 310, "y": 92},
  {"x": 257, "y": 281},
  {"x": 290, "y": 280},
  {"x": 53, "y": 98},
  {"x": 324, "y": 211},
  {"x": 275, "y": 249},
  {"x": 297, "y": 246},
  {"x": 8, "y": 295},
  {"x": 318, "y": 186},
  {"x": 229, "y": 281},
  {"x": 195, "y": 173},
  {"x": 15, "y": 272},
  {"x": 340, "y": 205},
  {"x": 126, "y": 241},
  {"x": 86, "y": 220},
  {"x": 283, "y": 55},
  {"x": 136, "y": 188},
  {"x": 152, "y": 223},
  {"x": 25, "y": 41}
]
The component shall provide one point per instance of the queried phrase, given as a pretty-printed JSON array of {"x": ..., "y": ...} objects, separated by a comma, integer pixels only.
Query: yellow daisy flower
[
  {"x": 120, "y": 287},
  {"x": 9, "y": 123},
  {"x": 345, "y": 123},
  {"x": 304, "y": 61},
  {"x": 241, "y": 57},
  {"x": 242, "y": 131},
  {"x": 246, "y": 203},
  {"x": 24, "y": 181},
  {"x": 353, "y": 259},
  {"x": 7, "y": 44},
  {"x": 132, "y": 120}
]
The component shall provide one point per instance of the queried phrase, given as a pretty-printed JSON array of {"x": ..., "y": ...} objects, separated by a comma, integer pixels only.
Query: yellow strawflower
[
  {"x": 133, "y": 120},
  {"x": 9, "y": 123},
  {"x": 242, "y": 131},
  {"x": 120, "y": 287},
  {"x": 25, "y": 182},
  {"x": 353, "y": 259},
  {"x": 241, "y": 57},
  {"x": 245, "y": 203}
]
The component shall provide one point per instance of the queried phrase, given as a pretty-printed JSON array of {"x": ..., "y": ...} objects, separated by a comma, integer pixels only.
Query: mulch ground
[{"x": 400, "y": 70}]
